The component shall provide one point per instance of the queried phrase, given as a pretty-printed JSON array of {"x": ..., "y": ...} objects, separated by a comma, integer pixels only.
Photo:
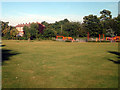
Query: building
[{"x": 19, "y": 27}]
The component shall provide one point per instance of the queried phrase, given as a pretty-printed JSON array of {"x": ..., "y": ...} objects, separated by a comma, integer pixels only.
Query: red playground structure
[
  {"x": 60, "y": 36},
  {"x": 116, "y": 38},
  {"x": 64, "y": 38}
]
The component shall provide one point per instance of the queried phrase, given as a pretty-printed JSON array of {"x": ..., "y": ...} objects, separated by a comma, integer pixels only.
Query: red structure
[
  {"x": 69, "y": 38},
  {"x": 19, "y": 27},
  {"x": 60, "y": 36},
  {"x": 88, "y": 36},
  {"x": 99, "y": 37},
  {"x": 103, "y": 36},
  {"x": 64, "y": 38}
]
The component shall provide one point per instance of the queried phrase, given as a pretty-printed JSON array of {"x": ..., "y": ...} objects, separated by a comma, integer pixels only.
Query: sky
[{"x": 25, "y": 12}]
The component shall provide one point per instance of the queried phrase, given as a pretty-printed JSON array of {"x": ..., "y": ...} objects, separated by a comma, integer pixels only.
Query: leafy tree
[
  {"x": 92, "y": 25},
  {"x": 116, "y": 25},
  {"x": 45, "y": 23},
  {"x": 13, "y": 33},
  {"x": 27, "y": 32},
  {"x": 105, "y": 20},
  {"x": 5, "y": 32},
  {"x": 49, "y": 33},
  {"x": 4, "y": 27},
  {"x": 72, "y": 29},
  {"x": 32, "y": 32},
  {"x": 105, "y": 14}
]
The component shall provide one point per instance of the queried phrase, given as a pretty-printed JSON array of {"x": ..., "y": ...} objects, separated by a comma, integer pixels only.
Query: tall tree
[
  {"x": 72, "y": 29},
  {"x": 116, "y": 25},
  {"x": 32, "y": 32},
  {"x": 13, "y": 33},
  {"x": 105, "y": 15},
  {"x": 92, "y": 25},
  {"x": 105, "y": 20}
]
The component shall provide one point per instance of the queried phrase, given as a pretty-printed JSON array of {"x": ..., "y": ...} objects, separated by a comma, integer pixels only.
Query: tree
[
  {"x": 27, "y": 32},
  {"x": 4, "y": 27},
  {"x": 45, "y": 23},
  {"x": 72, "y": 29},
  {"x": 5, "y": 32},
  {"x": 92, "y": 25},
  {"x": 34, "y": 30},
  {"x": 48, "y": 33},
  {"x": 116, "y": 25},
  {"x": 105, "y": 20},
  {"x": 105, "y": 15},
  {"x": 31, "y": 32},
  {"x": 13, "y": 33}
]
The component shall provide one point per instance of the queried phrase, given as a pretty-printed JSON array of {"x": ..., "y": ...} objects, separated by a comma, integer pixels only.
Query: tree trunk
[{"x": 28, "y": 39}]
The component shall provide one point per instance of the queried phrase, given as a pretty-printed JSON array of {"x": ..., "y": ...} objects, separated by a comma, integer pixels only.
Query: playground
[
  {"x": 101, "y": 38},
  {"x": 51, "y": 64}
]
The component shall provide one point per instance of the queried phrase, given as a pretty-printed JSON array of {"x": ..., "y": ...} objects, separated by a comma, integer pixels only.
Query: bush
[
  {"x": 6, "y": 38},
  {"x": 39, "y": 39},
  {"x": 23, "y": 38}
]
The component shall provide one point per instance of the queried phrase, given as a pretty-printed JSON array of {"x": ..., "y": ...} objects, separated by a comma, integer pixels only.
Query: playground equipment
[
  {"x": 96, "y": 38},
  {"x": 116, "y": 38},
  {"x": 68, "y": 38},
  {"x": 88, "y": 36},
  {"x": 64, "y": 38},
  {"x": 60, "y": 36},
  {"x": 103, "y": 38}
]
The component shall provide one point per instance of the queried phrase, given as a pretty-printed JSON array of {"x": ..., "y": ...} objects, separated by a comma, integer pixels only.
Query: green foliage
[
  {"x": 71, "y": 29},
  {"x": 116, "y": 25},
  {"x": 13, "y": 33},
  {"x": 32, "y": 31},
  {"x": 92, "y": 25},
  {"x": 105, "y": 14},
  {"x": 49, "y": 33}
]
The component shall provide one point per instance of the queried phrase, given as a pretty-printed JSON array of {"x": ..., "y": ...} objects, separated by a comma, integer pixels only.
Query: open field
[{"x": 52, "y": 64}]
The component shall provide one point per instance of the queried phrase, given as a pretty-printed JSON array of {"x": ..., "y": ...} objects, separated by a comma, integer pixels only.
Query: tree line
[{"x": 93, "y": 24}]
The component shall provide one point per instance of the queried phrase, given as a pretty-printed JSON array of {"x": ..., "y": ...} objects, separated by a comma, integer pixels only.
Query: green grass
[{"x": 53, "y": 64}]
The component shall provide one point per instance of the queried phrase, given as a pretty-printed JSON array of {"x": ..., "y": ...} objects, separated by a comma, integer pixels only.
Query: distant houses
[{"x": 19, "y": 27}]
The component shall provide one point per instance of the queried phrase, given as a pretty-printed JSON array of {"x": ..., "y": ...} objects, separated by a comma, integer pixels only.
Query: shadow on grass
[
  {"x": 118, "y": 57},
  {"x": 6, "y": 54},
  {"x": 3, "y": 45}
]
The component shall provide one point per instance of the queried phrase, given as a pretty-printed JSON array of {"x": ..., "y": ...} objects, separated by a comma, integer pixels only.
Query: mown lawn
[{"x": 52, "y": 64}]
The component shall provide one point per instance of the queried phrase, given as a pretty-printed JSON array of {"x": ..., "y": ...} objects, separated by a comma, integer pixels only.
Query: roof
[{"x": 22, "y": 25}]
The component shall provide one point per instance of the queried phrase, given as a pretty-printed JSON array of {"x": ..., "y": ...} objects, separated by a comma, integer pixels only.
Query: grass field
[{"x": 52, "y": 64}]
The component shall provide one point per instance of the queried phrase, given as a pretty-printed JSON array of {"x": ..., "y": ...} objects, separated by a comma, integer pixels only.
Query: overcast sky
[{"x": 24, "y": 12}]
